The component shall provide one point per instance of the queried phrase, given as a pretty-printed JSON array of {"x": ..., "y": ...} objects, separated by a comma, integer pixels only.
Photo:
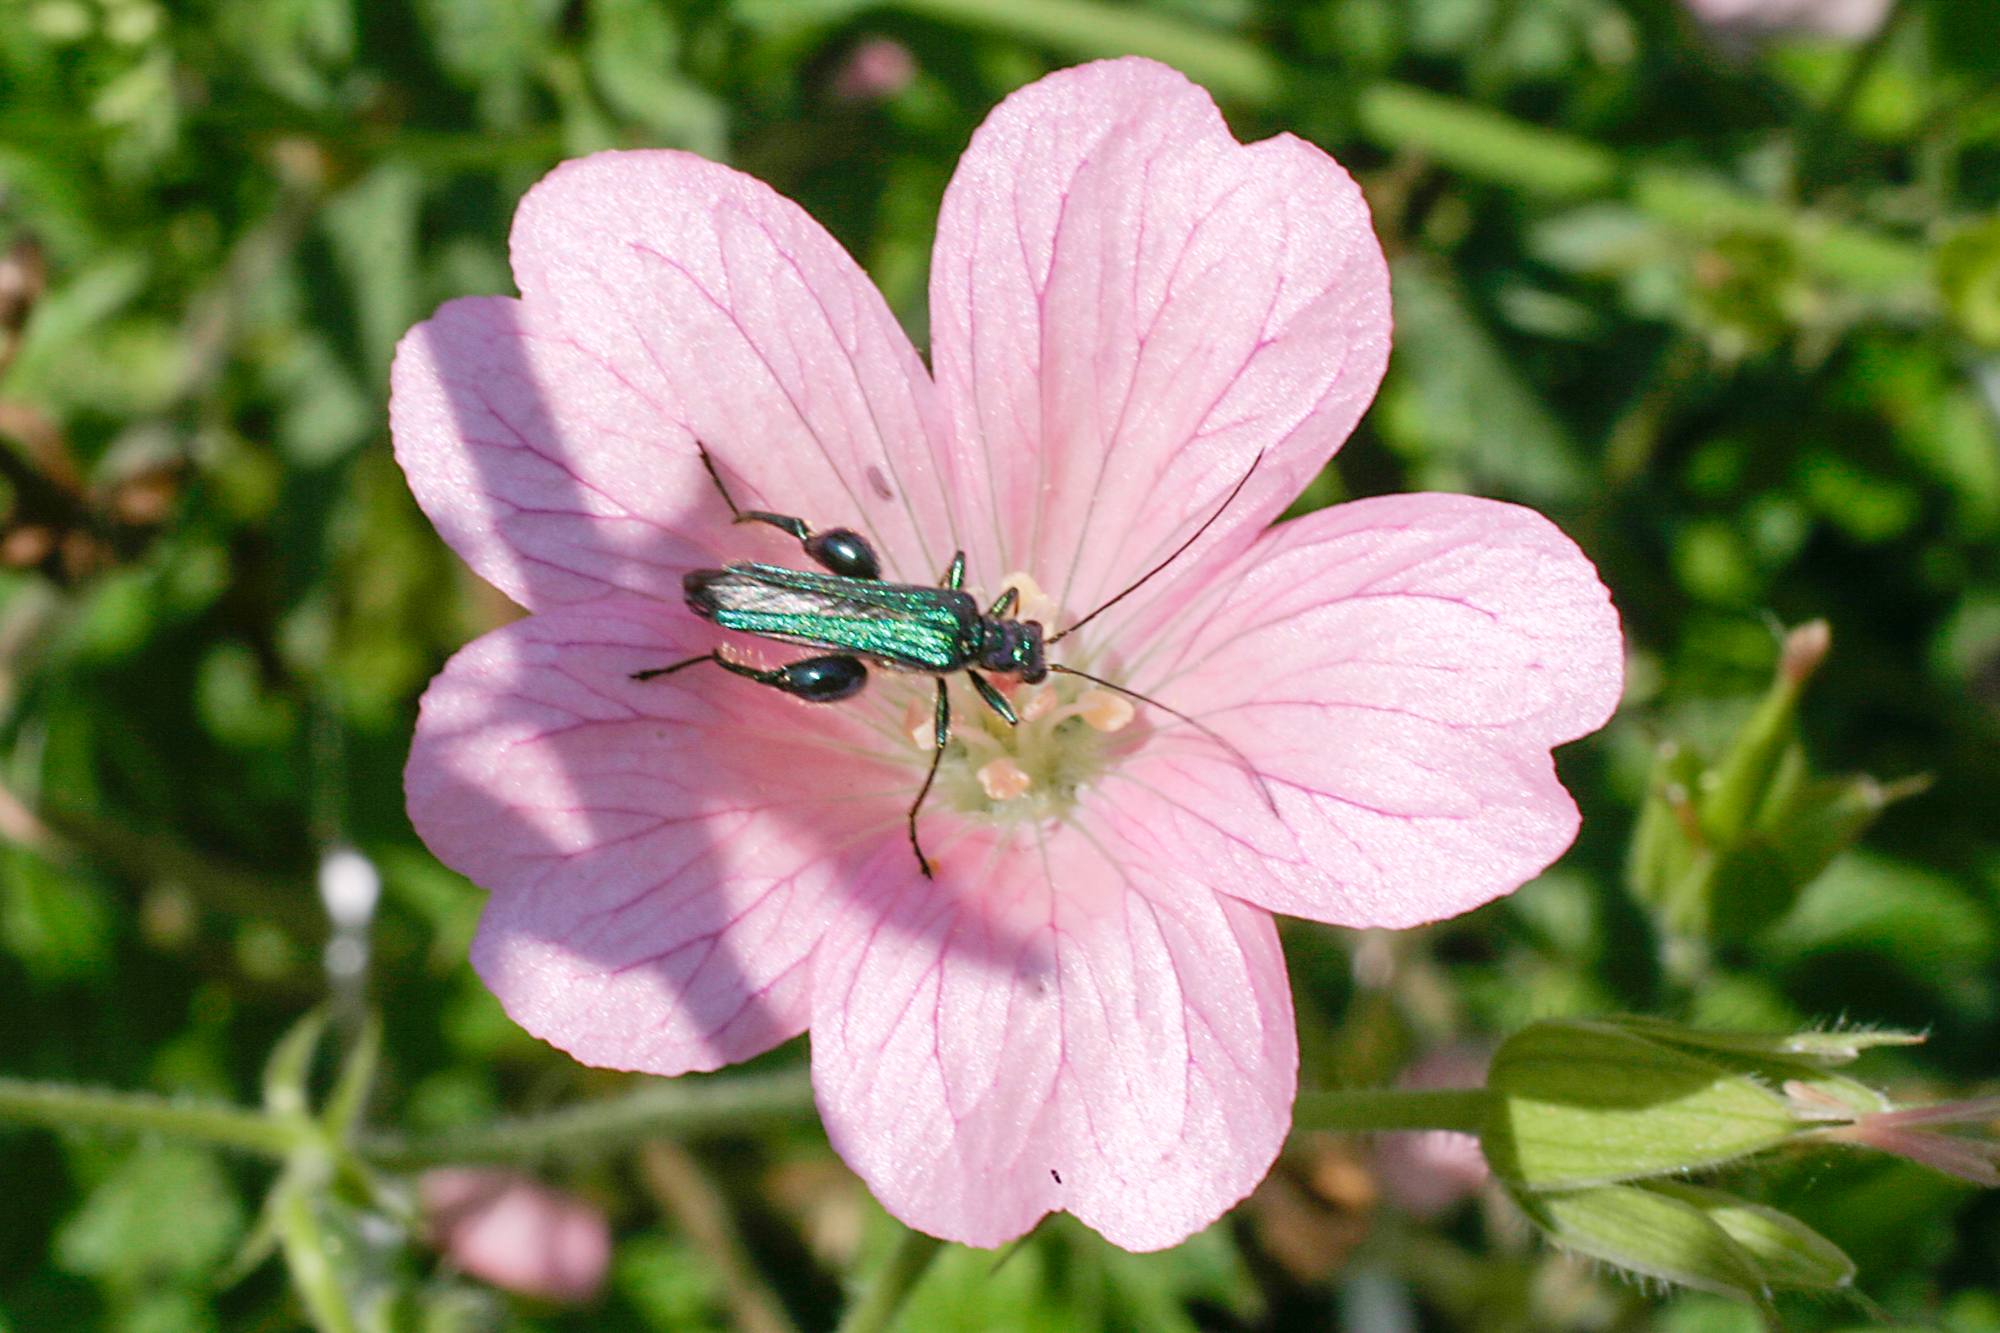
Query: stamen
[
  {"x": 1033, "y": 603},
  {"x": 1004, "y": 780},
  {"x": 1035, "y": 702},
  {"x": 920, "y": 724},
  {"x": 1104, "y": 710}
]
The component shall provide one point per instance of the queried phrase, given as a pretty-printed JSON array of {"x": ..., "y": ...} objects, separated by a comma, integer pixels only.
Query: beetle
[{"x": 906, "y": 627}]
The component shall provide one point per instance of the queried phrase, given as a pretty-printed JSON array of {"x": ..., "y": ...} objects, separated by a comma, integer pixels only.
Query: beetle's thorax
[{"x": 1011, "y": 647}]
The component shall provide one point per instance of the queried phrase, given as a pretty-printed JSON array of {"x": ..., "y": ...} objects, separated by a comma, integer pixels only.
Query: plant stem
[
  {"x": 1360, "y": 1110},
  {"x": 658, "y": 1109},
  {"x": 685, "y": 1193},
  {"x": 1818, "y": 138},
  {"x": 1628, "y": 451},
  {"x": 1225, "y": 63},
  {"x": 312, "y": 1270},
  {"x": 877, "y": 1310},
  {"x": 59, "y": 1105}
]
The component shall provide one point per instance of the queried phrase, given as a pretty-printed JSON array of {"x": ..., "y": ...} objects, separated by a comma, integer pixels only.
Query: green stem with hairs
[
  {"x": 1365, "y": 1110},
  {"x": 58, "y": 1105},
  {"x": 674, "y": 1109}
]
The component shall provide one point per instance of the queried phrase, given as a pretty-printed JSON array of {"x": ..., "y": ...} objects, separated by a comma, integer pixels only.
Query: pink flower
[
  {"x": 1850, "y": 19},
  {"x": 878, "y": 67},
  {"x": 1087, "y": 1008},
  {"x": 1429, "y": 1172},
  {"x": 517, "y": 1233}
]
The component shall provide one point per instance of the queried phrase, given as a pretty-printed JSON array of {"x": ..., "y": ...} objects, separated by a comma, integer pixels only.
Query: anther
[
  {"x": 1104, "y": 710},
  {"x": 1035, "y": 702},
  {"x": 1033, "y": 603},
  {"x": 1004, "y": 780},
  {"x": 920, "y": 724}
]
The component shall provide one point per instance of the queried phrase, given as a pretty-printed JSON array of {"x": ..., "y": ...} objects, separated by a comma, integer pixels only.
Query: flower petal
[
  {"x": 710, "y": 295},
  {"x": 543, "y": 469},
  {"x": 1128, "y": 306},
  {"x": 1396, "y": 670},
  {"x": 659, "y": 852},
  {"x": 1052, "y": 1031}
]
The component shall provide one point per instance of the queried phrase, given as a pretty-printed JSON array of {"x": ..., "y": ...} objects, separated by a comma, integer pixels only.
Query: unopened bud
[
  {"x": 1580, "y": 1103},
  {"x": 1805, "y": 648}
]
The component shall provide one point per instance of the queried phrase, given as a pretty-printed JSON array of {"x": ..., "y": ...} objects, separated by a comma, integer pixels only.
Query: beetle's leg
[
  {"x": 954, "y": 578},
  {"x": 1003, "y": 605},
  {"x": 678, "y": 666},
  {"x": 795, "y": 526},
  {"x": 941, "y": 732},
  {"x": 994, "y": 699},
  {"x": 716, "y": 477},
  {"x": 818, "y": 680},
  {"x": 842, "y": 550}
]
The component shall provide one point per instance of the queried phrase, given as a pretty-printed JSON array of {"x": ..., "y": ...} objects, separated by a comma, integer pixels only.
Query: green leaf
[
  {"x": 293, "y": 46},
  {"x": 289, "y": 1065},
  {"x": 1455, "y": 405},
  {"x": 1485, "y": 144},
  {"x": 373, "y": 226},
  {"x": 348, "y": 1101},
  {"x": 632, "y": 55},
  {"x": 58, "y": 923},
  {"x": 668, "y": 1284},
  {"x": 1668, "y": 864},
  {"x": 167, "y": 1212},
  {"x": 1223, "y": 63},
  {"x": 1865, "y": 901}
]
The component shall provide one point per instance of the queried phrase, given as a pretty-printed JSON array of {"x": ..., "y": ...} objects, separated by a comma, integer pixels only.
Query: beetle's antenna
[
  {"x": 1221, "y": 509},
  {"x": 1241, "y": 758}
]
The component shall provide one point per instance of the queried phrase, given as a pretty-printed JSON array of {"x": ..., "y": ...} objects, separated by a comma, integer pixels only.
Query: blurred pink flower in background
[
  {"x": 1131, "y": 314},
  {"x": 1427, "y": 1173},
  {"x": 517, "y": 1233},
  {"x": 1852, "y": 19},
  {"x": 876, "y": 68}
]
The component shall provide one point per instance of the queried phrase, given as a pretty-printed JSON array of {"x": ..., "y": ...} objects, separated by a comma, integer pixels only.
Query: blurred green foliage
[{"x": 1724, "y": 301}]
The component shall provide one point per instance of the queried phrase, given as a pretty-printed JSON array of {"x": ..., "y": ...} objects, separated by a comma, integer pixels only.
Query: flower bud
[{"x": 1578, "y": 1103}]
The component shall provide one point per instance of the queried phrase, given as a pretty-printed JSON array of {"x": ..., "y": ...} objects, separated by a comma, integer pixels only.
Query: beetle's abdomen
[{"x": 902, "y": 626}]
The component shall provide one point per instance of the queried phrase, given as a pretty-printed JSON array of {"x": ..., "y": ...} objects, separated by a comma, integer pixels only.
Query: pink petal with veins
[
  {"x": 1060, "y": 1029},
  {"x": 706, "y": 292},
  {"x": 1082, "y": 1011},
  {"x": 1396, "y": 670},
  {"x": 543, "y": 469},
  {"x": 659, "y": 852},
  {"x": 1127, "y": 306}
]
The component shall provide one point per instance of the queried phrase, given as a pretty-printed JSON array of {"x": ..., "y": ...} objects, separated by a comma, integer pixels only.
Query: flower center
[
  {"x": 1066, "y": 737},
  {"x": 1067, "y": 734}
]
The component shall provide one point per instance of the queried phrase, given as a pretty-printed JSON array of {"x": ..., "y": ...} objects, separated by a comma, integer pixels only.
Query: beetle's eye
[{"x": 845, "y": 552}]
